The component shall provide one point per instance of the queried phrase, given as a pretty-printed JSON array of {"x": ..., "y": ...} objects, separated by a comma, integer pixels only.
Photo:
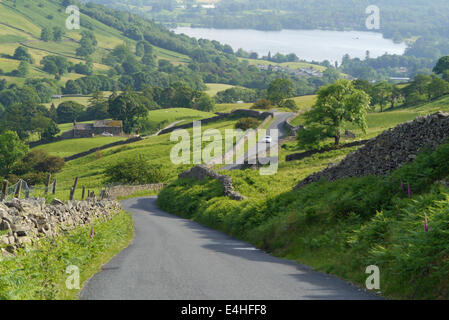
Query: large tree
[
  {"x": 381, "y": 94},
  {"x": 127, "y": 107},
  {"x": 279, "y": 90},
  {"x": 12, "y": 149},
  {"x": 442, "y": 65},
  {"x": 337, "y": 105}
]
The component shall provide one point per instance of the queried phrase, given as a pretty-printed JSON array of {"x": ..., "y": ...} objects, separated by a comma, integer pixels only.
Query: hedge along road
[{"x": 175, "y": 258}]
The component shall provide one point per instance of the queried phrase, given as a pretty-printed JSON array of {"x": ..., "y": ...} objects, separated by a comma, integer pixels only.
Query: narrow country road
[
  {"x": 174, "y": 258},
  {"x": 278, "y": 123}
]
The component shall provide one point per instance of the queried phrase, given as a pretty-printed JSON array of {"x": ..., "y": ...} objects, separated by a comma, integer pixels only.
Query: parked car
[{"x": 107, "y": 134}]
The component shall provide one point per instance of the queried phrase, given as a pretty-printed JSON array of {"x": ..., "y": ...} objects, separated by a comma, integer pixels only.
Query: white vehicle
[
  {"x": 107, "y": 134},
  {"x": 266, "y": 139}
]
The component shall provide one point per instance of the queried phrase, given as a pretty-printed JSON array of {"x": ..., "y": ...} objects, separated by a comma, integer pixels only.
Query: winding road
[
  {"x": 175, "y": 258},
  {"x": 278, "y": 123}
]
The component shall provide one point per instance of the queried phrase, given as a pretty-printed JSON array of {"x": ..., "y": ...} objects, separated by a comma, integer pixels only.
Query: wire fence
[{"x": 21, "y": 189}]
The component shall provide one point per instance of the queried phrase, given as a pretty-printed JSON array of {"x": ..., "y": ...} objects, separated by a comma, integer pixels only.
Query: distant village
[{"x": 301, "y": 72}]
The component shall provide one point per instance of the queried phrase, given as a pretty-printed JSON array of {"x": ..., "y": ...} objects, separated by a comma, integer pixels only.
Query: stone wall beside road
[{"x": 23, "y": 221}]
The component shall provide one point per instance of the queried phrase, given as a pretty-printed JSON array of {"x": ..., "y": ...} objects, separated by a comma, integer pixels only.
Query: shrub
[
  {"x": 135, "y": 171},
  {"x": 38, "y": 161},
  {"x": 247, "y": 123},
  {"x": 263, "y": 104},
  {"x": 290, "y": 104}
]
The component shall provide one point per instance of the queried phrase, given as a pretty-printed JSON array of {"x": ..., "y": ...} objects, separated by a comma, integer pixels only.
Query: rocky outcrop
[
  {"x": 389, "y": 150},
  {"x": 26, "y": 220},
  {"x": 202, "y": 172}
]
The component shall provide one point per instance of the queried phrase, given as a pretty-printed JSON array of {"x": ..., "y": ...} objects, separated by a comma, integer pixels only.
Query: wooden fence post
[
  {"x": 4, "y": 190},
  {"x": 53, "y": 191},
  {"x": 73, "y": 189},
  {"x": 47, "y": 184},
  {"x": 18, "y": 189},
  {"x": 83, "y": 194}
]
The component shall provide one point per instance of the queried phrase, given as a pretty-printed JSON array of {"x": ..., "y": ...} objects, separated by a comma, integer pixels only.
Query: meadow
[
  {"x": 70, "y": 147},
  {"x": 214, "y": 88}
]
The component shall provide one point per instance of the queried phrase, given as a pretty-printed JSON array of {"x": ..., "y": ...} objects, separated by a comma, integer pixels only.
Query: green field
[
  {"x": 214, "y": 88},
  {"x": 90, "y": 169},
  {"x": 163, "y": 117},
  {"x": 70, "y": 147},
  {"x": 171, "y": 115}
]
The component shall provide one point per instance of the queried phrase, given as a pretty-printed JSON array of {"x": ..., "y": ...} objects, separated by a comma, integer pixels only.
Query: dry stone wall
[
  {"x": 202, "y": 172},
  {"x": 389, "y": 150},
  {"x": 26, "y": 220},
  {"x": 126, "y": 190}
]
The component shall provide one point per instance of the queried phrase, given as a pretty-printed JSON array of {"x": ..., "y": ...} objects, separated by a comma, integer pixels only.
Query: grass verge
[{"x": 40, "y": 272}]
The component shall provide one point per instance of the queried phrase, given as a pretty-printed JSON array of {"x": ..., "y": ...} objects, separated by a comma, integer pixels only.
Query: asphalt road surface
[
  {"x": 175, "y": 258},
  {"x": 278, "y": 123}
]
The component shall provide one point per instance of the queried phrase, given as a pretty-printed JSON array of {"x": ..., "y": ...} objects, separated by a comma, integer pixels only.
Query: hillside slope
[{"x": 21, "y": 23}]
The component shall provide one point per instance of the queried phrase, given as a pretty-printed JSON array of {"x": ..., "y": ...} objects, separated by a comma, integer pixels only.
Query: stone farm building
[{"x": 88, "y": 130}]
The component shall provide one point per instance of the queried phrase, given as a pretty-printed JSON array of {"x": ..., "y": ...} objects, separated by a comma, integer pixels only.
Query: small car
[
  {"x": 266, "y": 139},
  {"x": 107, "y": 134}
]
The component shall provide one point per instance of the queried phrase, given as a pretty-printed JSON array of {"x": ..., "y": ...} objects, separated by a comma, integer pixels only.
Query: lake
[{"x": 317, "y": 45}]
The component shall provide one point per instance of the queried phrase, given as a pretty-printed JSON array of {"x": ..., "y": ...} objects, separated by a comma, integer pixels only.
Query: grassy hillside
[
  {"x": 160, "y": 118},
  {"x": 22, "y": 24},
  {"x": 67, "y": 148},
  {"x": 213, "y": 88}
]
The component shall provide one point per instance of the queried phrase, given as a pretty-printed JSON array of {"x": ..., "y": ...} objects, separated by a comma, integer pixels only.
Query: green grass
[
  {"x": 8, "y": 65},
  {"x": 39, "y": 272},
  {"x": 66, "y": 148},
  {"x": 176, "y": 114},
  {"x": 214, "y": 88},
  {"x": 11, "y": 38},
  {"x": 338, "y": 227},
  {"x": 305, "y": 102},
  {"x": 25, "y": 21},
  {"x": 228, "y": 107},
  {"x": 90, "y": 169}
]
